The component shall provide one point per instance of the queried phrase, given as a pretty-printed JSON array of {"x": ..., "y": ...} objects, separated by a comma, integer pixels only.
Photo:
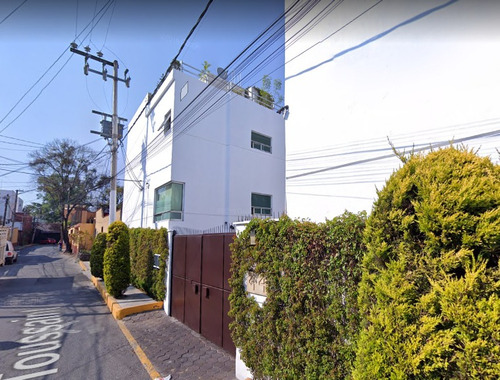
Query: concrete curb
[{"x": 134, "y": 302}]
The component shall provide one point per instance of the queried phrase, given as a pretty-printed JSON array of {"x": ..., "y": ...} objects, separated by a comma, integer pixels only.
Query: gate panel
[
  {"x": 179, "y": 256},
  {"x": 192, "y": 294},
  {"x": 178, "y": 285},
  {"x": 193, "y": 258},
  {"x": 211, "y": 314},
  {"x": 213, "y": 260},
  {"x": 200, "y": 288}
]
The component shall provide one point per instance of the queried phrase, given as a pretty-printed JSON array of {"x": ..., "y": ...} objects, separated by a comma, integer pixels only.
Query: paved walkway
[
  {"x": 176, "y": 350},
  {"x": 173, "y": 348}
]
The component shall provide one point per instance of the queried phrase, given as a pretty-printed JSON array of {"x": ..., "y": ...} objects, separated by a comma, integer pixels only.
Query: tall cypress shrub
[
  {"x": 117, "y": 259},
  {"x": 97, "y": 255},
  {"x": 429, "y": 296}
]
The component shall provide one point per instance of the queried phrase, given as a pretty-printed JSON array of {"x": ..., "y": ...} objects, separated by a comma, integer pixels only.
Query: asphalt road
[{"x": 54, "y": 324}]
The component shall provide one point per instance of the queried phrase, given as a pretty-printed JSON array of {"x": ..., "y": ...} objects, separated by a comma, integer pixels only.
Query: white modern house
[
  {"x": 362, "y": 73},
  {"x": 202, "y": 154}
]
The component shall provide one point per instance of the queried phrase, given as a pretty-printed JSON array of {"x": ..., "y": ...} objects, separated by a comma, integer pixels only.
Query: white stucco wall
[
  {"x": 210, "y": 155},
  {"x": 416, "y": 72}
]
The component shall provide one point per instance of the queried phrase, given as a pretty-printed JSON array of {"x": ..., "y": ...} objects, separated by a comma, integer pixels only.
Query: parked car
[
  {"x": 10, "y": 254},
  {"x": 48, "y": 241}
]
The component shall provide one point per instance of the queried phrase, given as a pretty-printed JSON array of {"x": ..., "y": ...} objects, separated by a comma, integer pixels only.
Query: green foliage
[
  {"x": 144, "y": 244},
  {"x": 205, "y": 71},
  {"x": 307, "y": 326},
  {"x": 97, "y": 255},
  {"x": 117, "y": 259},
  {"x": 274, "y": 87},
  {"x": 429, "y": 296},
  {"x": 67, "y": 176}
]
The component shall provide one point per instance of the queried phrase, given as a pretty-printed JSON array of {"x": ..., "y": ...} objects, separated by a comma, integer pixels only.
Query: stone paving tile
[{"x": 176, "y": 350}]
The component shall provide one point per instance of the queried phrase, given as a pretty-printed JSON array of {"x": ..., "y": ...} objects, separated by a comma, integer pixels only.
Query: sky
[{"x": 44, "y": 94}]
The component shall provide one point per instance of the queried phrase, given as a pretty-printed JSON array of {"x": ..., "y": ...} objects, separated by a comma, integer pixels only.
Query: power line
[
  {"x": 11, "y": 13},
  {"x": 103, "y": 9},
  {"x": 371, "y": 159},
  {"x": 173, "y": 61},
  {"x": 191, "y": 31}
]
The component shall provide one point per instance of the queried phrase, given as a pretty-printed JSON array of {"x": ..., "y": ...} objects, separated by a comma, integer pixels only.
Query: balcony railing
[{"x": 253, "y": 93}]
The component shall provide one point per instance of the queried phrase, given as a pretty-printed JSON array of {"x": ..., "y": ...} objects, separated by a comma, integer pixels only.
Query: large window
[
  {"x": 168, "y": 201},
  {"x": 261, "y": 204},
  {"x": 261, "y": 142}
]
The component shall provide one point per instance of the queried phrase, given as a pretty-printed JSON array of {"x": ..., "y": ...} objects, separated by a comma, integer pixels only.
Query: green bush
[
  {"x": 117, "y": 259},
  {"x": 307, "y": 326},
  {"x": 142, "y": 267},
  {"x": 429, "y": 295},
  {"x": 144, "y": 244},
  {"x": 97, "y": 255}
]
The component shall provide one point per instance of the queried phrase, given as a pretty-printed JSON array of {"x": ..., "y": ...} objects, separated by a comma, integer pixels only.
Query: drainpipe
[{"x": 168, "y": 277}]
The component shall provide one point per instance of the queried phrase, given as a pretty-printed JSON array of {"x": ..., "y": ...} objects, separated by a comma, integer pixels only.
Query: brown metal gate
[{"x": 200, "y": 287}]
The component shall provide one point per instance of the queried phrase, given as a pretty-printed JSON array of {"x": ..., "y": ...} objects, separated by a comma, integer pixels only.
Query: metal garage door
[{"x": 200, "y": 288}]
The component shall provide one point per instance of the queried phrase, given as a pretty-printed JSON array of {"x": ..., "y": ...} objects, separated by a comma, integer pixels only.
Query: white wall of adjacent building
[
  {"x": 208, "y": 152},
  {"x": 412, "y": 72},
  {"x": 11, "y": 203}
]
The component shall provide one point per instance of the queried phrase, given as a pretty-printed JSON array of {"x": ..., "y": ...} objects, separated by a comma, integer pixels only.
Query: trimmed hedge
[
  {"x": 429, "y": 297},
  {"x": 144, "y": 244},
  {"x": 117, "y": 259},
  {"x": 97, "y": 255},
  {"x": 307, "y": 326}
]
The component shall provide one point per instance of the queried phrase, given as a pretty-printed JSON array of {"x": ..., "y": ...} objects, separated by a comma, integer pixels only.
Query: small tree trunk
[{"x": 65, "y": 236}]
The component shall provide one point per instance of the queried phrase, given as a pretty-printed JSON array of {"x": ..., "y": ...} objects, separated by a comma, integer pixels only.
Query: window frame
[
  {"x": 254, "y": 208},
  {"x": 259, "y": 145},
  {"x": 168, "y": 214}
]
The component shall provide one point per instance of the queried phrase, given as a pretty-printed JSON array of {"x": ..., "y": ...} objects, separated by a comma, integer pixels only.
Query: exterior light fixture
[{"x": 252, "y": 237}]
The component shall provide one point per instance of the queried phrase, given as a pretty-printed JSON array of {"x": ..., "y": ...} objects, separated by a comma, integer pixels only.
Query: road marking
[
  {"x": 138, "y": 351},
  {"x": 42, "y": 331}
]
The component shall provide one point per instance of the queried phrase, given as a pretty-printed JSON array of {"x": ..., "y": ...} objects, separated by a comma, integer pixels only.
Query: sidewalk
[{"x": 170, "y": 346}]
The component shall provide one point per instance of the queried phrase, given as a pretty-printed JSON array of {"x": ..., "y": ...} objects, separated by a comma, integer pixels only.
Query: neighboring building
[
  {"x": 81, "y": 236},
  {"x": 198, "y": 169},
  {"x": 361, "y": 72},
  {"x": 7, "y": 204},
  {"x": 80, "y": 214},
  {"x": 102, "y": 220}
]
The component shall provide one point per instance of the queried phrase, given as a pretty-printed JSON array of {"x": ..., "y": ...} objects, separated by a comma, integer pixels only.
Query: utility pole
[
  {"x": 114, "y": 135},
  {"x": 14, "y": 215},
  {"x": 5, "y": 209}
]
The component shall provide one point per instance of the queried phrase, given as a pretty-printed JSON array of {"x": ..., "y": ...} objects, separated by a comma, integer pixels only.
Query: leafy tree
[
  {"x": 102, "y": 197},
  {"x": 42, "y": 212},
  {"x": 66, "y": 175},
  {"x": 429, "y": 296}
]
